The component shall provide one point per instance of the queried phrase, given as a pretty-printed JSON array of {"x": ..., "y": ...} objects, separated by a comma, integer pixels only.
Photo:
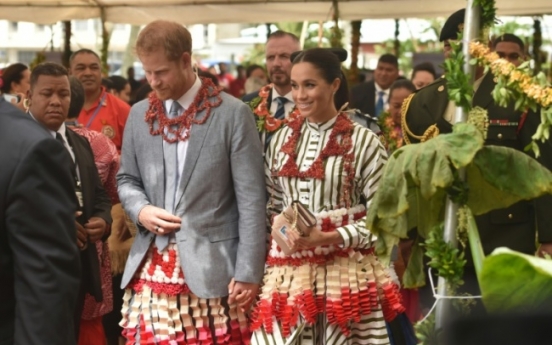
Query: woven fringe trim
[
  {"x": 149, "y": 318},
  {"x": 344, "y": 289}
]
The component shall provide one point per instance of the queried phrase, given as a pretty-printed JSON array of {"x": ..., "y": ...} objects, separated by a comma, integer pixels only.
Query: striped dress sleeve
[{"x": 370, "y": 157}]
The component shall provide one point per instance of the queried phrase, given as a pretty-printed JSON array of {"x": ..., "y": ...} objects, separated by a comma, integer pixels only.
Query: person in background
[
  {"x": 39, "y": 260},
  {"x": 143, "y": 92},
  {"x": 102, "y": 111},
  {"x": 15, "y": 81},
  {"x": 49, "y": 99},
  {"x": 255, "y": 79},
  {"x": 237, "y": 86},
  {"x": 107, "y": 84},
  {"x": 225, "y": 77},
  {"x": 372, "y": 97},
  {"x": 273, "y": 104},
  {"x": 510, "y": 47},
  {"x": 423, "y": 74},
  {"x": 106, "y": 159},
  {"x": 134, "y": 84},
  {"x": 120, "y": 88}
]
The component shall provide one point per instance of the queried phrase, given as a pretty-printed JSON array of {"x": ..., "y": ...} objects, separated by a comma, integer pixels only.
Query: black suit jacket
[
  {"x": 516, "y": 226},
  {"x": 96, "y": 204},
  {"x": 363, "y": 97},
  {"x": 39, "y": 259}
]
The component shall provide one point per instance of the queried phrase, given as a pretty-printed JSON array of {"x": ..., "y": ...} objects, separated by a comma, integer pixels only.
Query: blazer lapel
[{"x": 195, "y": 143}]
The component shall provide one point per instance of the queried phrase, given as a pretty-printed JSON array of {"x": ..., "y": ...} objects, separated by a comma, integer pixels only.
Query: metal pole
[{"x": 471, "y": 30}]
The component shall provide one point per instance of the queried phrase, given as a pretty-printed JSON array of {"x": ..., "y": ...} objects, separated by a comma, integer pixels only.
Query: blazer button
[
  {"x": 510, "y": 216},
  {"x": 499, "y": 136}
]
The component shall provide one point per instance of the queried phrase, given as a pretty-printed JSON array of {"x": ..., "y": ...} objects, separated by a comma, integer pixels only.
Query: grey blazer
[{"x": 221, "y": 197}]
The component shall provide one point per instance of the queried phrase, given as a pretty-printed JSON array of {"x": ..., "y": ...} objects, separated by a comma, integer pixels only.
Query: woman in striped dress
[{"x": 332, "y": 290}]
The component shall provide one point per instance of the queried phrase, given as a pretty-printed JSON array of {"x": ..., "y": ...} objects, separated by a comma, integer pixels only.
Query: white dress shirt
[
  {"x": 385, "y": 97},
  {"x": 274, "y": 104}
]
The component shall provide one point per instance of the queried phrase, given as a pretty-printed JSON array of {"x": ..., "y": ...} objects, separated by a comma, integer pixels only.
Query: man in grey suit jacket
[{"x": 211, "y": 211}]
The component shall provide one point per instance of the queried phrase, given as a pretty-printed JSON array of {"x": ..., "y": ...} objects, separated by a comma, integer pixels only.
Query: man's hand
[
  {"x": 243, "y": 294},
  {"x": 158, "y": 221},
  {"x": 82, "y": 236},
  {"x": 95, "y": 227},
  {"x": 544, "y": 249}
]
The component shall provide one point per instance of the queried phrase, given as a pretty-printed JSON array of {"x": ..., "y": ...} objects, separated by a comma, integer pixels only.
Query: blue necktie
[
  {"x": 379, "y": 103},
  {"x": 170, "y": 158},
  {"x": 279, "y": 114}
]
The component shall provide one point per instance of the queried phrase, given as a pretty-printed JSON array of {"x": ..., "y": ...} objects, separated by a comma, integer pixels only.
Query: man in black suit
[
  {"x": 516, "y": 226},
  {"x": 39, "y": 266},
  {"x": 372, "y": 97},
  {"x": 279, "y": 47},
  {"x": 49, "y": 99}
]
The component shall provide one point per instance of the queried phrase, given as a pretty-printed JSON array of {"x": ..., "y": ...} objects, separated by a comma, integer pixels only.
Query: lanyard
[{"x": 96, "y": 111}]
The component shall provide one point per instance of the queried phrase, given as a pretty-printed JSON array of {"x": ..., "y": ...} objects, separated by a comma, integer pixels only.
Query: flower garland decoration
[
  {"x": 516, "y": 83},
  {"x": 178, "y": 128},
  {"x": 266, "y": 122},
  {"x": 392, "y": 133},
  {"x": 343, "y": 128}
]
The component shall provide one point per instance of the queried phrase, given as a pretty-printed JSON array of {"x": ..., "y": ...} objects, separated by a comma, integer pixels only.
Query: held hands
[
  {"x": 82, "y": 237},
  {"x": 158, "y": 221},
  {"x": 243, "y": 294}
]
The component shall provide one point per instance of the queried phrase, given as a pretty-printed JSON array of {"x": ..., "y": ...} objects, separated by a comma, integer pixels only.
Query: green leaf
[
  {"x": 491, "y": 177},
  {"x": 515, "y": 282}
]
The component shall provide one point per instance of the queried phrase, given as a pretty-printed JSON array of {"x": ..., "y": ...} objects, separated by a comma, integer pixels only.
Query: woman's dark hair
[
  {"x": 142, "y": 92},
  {"x": 328, "y": 64},
  {"x": 208, "y": 75},
  {"x": 108, "y": 84},
  {"x": 402, "y": 84},
  {"x": 252, "y": 68},
  {"x": 12, "y": 73},
  {"x": 424, "y": 66},
  {"x": 77, "y": 98},
  {"x": 118, "y": 83}
]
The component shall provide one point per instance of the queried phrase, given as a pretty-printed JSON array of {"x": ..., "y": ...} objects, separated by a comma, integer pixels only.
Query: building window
[
  {"x": 40, "y": 27},
  {"x": 14, "y": 26},
  {"x": 81, "y": 25},
  {"x": 26, "y": 56}
]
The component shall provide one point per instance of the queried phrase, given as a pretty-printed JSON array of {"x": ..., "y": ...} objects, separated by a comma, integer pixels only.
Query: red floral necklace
[
  {"x": 266, "y": 122},
  {"x": 343, "y": 128},
  {"x": 179, "y": 126}
]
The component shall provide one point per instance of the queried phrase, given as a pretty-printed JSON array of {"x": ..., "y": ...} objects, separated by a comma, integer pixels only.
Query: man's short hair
[
  {"x": 47, "y": 68},
  {"x": 83, "y": 51},
  {"x": 390, "y": 59},
  {"x": 281, "y": 34},
  {"x": 77, "y": 98},
  {"x": 509, "y": 38},
  {"x": 172, "y": 37}
]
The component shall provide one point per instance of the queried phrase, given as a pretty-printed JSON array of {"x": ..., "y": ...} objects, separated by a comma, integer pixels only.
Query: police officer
[{"x": 429, "y": 112}]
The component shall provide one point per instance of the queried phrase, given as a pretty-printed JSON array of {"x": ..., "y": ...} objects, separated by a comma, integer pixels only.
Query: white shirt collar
[
  {"x": 61, "y": 130},
  {"x": 188, "y": 98},
  {"x": 378, "y": 89},
  {"x": 275, "y": 94}
]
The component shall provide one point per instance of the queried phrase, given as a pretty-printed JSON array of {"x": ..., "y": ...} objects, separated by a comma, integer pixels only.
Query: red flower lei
[
  {"x": 179, "y": 126},
  {"x": 343, "y": 127},
  {"x": 261, "y": 110}
]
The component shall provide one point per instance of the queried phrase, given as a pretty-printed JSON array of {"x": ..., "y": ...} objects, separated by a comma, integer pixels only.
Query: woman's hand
[{"x": 316, "y": 238}]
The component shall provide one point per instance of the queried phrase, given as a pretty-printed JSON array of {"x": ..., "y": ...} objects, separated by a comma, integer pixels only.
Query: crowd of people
[{"x": 221, "y": 209}]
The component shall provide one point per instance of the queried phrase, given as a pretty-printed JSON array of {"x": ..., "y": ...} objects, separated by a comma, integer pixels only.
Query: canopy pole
[{"x": 471, "y": 30}]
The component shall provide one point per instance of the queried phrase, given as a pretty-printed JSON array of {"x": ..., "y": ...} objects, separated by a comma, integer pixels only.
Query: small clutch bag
[{"x": 295, "y": 217}]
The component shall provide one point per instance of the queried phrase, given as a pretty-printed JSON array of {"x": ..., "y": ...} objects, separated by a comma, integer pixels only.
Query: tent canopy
[{"x": 244, "y": 11}]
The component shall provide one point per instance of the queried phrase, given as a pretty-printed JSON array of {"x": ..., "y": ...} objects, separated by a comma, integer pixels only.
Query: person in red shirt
[{"x": 102, "y": 111}]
